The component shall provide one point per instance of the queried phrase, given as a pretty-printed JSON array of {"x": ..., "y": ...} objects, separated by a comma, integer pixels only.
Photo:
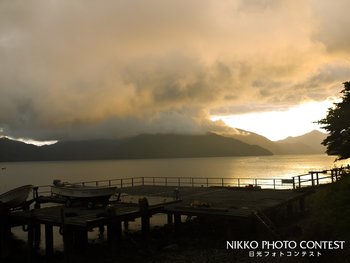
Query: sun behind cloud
[{"x": 277, "y": 125}]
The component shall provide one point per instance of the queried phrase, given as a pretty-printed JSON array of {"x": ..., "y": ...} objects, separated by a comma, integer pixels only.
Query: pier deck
[
  {"x": 220, "y": 201},
  {"x": 230, "y": 201},
  {"x": 227, "y": 203}
]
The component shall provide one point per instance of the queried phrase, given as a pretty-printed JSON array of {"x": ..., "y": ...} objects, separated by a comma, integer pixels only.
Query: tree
[{"x": 337, "y": 123}]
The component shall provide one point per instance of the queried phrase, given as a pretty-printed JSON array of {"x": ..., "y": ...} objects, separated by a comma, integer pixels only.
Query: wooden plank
[{"x": 204, "y": 209}]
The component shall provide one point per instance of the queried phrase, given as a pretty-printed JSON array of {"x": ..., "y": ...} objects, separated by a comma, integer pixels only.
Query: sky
[{"x": 88, "y": 69}]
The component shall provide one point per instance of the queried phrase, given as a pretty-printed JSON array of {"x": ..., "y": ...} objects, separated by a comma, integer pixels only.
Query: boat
[
  {"x": 16, "y": 197},
  {"x": 90, "y": 194}
]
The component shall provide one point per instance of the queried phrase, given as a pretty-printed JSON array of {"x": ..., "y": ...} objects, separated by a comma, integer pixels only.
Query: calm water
[{"x": 43, "y": 173}]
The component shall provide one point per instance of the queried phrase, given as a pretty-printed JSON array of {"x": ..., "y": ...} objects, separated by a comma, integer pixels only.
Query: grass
[{"x": 329, "y": 218}]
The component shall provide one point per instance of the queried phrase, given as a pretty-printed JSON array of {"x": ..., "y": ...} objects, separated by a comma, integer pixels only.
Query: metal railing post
[
  {"x": 274, "y": 183},
  {"x": 222, "y": 182},
  {"x": 238, "y": 182}
]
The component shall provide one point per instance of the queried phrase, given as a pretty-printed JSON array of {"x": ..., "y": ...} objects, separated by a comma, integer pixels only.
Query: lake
[{"x": 277, "y": 166}]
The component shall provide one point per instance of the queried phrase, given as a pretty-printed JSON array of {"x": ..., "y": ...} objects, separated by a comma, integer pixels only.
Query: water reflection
[{"x": 282, "y": 166}]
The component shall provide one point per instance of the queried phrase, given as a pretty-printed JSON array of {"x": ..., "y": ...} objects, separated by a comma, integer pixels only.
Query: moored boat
[
  {"x": 16, "y": 197},
  {"x": 92, "y": 194}
]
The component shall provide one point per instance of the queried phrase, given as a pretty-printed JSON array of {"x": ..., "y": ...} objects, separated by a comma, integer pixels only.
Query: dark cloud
[
  {"x": 258, "y": 5},
  {"x": 180, "y": 121},
  {"x": 73, "y": 69},
  {"x": 332, "y": 21}
]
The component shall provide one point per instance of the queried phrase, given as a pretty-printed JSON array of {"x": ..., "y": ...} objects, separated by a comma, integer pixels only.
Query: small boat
[
  {"x": 16, "y": 197},
  {"x": 90, "y": 194}
]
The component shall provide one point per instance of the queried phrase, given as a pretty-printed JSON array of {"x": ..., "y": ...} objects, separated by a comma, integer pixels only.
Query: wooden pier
[
  {"x": 216, "y": 198},
  {"x": 75, "y": 222}
]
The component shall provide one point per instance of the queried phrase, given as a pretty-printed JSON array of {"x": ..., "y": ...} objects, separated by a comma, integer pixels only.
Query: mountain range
[
  {"x": 309, "y": 143},
  {"x": 162, "y": 146}
]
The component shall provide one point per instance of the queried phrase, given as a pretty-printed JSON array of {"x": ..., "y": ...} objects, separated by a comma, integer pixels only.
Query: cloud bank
[{"x": 87, "y": 69}]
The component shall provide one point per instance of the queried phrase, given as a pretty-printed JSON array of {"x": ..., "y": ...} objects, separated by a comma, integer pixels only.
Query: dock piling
[
  {"x": 145, "y": 223},
  {"x": 31, "y": 238},
  {"x": 48, "y": 240},
  {"x": 170, "y": 218},
  {"x": 5, "y": 231},
  {"x": 66, "y": 236},
  {"x": 114, "y": 232},
  {"x": 145, "y": 216},
  {"x": 177, "y": 221},
  {"x": 126, "y": 225},
  {"x": 80, "y": 237}
]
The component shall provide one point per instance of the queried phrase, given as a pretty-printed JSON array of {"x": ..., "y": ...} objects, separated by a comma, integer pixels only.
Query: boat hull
[
  {"x": 16, "y": 197},
  {"x": 83, "y": 191}
]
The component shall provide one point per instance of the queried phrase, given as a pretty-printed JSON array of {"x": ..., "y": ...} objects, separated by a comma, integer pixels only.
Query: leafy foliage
[{"x": 337, "y": 123}]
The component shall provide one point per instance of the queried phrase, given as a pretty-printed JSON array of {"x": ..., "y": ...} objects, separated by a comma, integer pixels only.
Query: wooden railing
[{"x": 313, "y": 178}]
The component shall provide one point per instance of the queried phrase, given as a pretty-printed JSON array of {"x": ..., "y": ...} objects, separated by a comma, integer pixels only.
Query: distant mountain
[
  {"x": 308, "y": 143},
  {"x": 171, "y": 145},
  {"x": 138, "y": 147},
  {"x": 239, "y": 143},
  {"x": 256, "y": 139},
  {"x": 14, "y": 150}
]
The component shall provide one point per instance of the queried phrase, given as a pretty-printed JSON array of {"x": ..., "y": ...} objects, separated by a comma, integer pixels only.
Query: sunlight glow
[
  {"x": 34, "y": 142},
  {"x": 277, "y": 125}
]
